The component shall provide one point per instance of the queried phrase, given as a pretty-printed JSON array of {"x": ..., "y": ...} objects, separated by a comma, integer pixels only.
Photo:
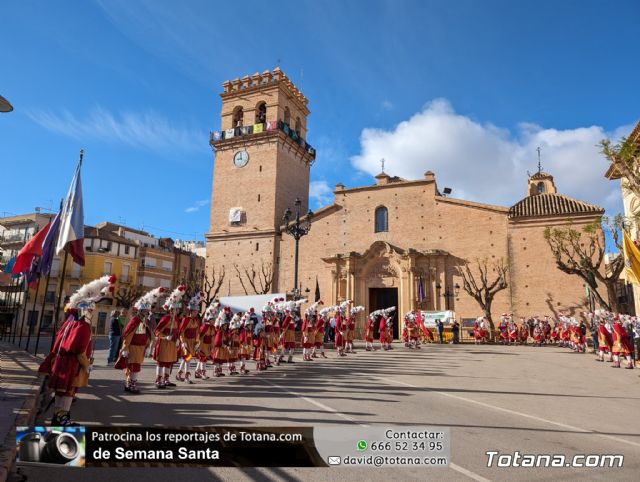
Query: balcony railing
[
  {"x": 16, "y": 238},
  {"x": 270, "y": 126}
]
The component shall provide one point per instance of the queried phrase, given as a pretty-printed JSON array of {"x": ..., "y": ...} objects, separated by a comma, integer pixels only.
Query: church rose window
[{"x": 382, "y": 223}]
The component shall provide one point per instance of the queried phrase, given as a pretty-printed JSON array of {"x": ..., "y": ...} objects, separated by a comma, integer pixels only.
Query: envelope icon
[{"x": 334, "y": 460}]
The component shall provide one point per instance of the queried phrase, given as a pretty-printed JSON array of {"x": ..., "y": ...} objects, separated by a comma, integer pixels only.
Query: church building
[{"x": 397, "y": 242}]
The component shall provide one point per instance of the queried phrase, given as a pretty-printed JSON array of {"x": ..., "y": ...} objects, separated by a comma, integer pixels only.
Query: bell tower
[{"x": 262, "y": 163}]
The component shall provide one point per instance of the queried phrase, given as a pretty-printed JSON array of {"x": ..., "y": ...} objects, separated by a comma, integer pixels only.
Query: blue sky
[{"x": 467, "y": 89}]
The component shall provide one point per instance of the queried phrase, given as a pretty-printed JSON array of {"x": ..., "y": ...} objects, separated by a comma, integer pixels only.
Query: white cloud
[
  {"x": 484, "y": 163},
  {"x": 196, "y": 206},
  {"x": 147, "y": 130},
  {"x": 320, "y": 193},
  {"x": 386, "y": 105}
]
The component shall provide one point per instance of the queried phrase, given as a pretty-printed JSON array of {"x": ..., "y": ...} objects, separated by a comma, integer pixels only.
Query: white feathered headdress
[
  {"x": 388, "y": 311},
  {"x": 356, "y": 309},
  {"x": 88, "y": 294},
  {"x": 294, "y": 305},
  {"x": 174, "y": 299},
  {"x": 147, "y": 300},
  {"x": 313, "y": 309},
  {"x": 223, "y": 318},
  {"x": 196, "y": 300},
  {"x": 212, "y": 311}
]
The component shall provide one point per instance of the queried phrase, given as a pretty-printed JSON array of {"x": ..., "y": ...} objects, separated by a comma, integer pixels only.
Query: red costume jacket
[{"x": 70, "y": 356}]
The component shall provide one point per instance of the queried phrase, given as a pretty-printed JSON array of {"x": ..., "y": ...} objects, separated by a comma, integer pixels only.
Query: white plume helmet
[
  {"x": 212, "y": 311},
  {"x": 313, "y": 309},
  {"x": 234, "y": 324},
  {"x": 146, "y": 301},
  {"x": 196, "y": 301},
  {"x": 388, "y": 311},
  {"x": 223, "y": 318},
  {"x": 93, "y": 291},
  {"x": 324, "y": 312},
  {"x": 174, "y": 299},
  {"x": 356, "y": 309}
]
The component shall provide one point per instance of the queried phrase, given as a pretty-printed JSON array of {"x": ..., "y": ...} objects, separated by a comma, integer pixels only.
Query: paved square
[{"x": 533, "y": 400}]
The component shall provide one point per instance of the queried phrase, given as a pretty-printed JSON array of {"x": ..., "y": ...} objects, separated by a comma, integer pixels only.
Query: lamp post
[
  {"x": 448, "y": 294},
  {"x": 297, "y": 229}
]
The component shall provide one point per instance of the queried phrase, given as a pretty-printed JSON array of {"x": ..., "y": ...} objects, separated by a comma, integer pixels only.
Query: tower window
[
  {"x": 260, "y": 169},
  {"x": 257, "y": 246},
  {"x": 287, "y": 116},
  {"x": 382, "y": 220},
  {"x": 261, "y": 113},
  {"x": 540, "y": 187},
  {"x": 238, "y": 117},
  {"x": 258, "y": 197}
]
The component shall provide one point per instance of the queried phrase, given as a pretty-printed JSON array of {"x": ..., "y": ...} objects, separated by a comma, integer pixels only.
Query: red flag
[{"x": 29, "y": 251}]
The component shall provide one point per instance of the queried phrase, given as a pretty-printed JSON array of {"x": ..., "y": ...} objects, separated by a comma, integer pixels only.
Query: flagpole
[
  {"x": 8, "y": 303},
  {"x": 44, "y": 301},
  {"x": 33, "y": 309},
  {"x": 16, "y": 308},
  {"x": 25, "y": 302},
  {"x": 55, "y": 313}
]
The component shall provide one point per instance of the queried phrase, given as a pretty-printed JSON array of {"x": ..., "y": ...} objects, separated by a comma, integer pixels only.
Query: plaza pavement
[{"x": 499, "y": 398}]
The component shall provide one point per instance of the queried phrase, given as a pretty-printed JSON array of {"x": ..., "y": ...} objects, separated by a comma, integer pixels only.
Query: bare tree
[
  {"x": 211, "y": 284},
  {"x": 126, "y": 295},
  {"x": 258, "y": 280},
  {"x": 480, "y": 287},
  {"x": 581, "y": 253}
]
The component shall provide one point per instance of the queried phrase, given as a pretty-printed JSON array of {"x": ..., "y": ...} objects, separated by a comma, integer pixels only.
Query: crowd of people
[
  {"x": 194, "y": 340},
  {"x": 614, "y": 336}
]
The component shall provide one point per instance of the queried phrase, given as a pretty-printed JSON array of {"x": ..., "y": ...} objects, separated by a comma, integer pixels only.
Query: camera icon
[{"x": 52, "y": 448}]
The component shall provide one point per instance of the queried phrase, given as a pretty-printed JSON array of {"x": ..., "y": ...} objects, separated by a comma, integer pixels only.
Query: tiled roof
[{"x": 549, "y": 204}]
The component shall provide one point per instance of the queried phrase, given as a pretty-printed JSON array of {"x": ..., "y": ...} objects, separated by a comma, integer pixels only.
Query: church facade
[{"x": 396, "y": 242}]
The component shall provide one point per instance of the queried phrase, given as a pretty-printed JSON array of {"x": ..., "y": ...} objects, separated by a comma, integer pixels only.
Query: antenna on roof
[
  {"x": 539, "y": 165},
  {"x": 382, "y": 162}
]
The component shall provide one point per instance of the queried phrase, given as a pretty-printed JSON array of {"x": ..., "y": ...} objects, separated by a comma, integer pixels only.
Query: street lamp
[
  {"x": 5, "y": 105},
  {"x": 448, "y": 294},
  {"x": 296, "y": 229}
]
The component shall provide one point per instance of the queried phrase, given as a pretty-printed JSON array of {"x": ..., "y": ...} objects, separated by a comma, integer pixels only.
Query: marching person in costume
[
  {"x": 351, "y": 328},
  {"x": 259, "y": 344},
  {"x": 523, "y": 331},
  {"x": 341, "y": 327},
  {"x": 221, "y": 341},
  {"x": 246, "y": 338},
  {"x": 512, "y": 329},
  {"x": 387, "y": 316},
  {"x": 503, "y": 327},
  {"x": 319, "y": 328},
  {"x": 621, "y": 344},
  {"x": 412, "y": 330},
  {"x": 309, "y": 332},
  {"x": 69, "y": 363},
  {"x": 207, "y": 332},
  {"x": 605, "y": 340},
  {"x": 166, "y": 350},
  {"x": 136, "y": 338},
  {"x": 189, "y": 334},
  {"x": 369, "y": 330},
  {"x": 288, "y": 334},
  {"x": 234, "y": 343}
]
